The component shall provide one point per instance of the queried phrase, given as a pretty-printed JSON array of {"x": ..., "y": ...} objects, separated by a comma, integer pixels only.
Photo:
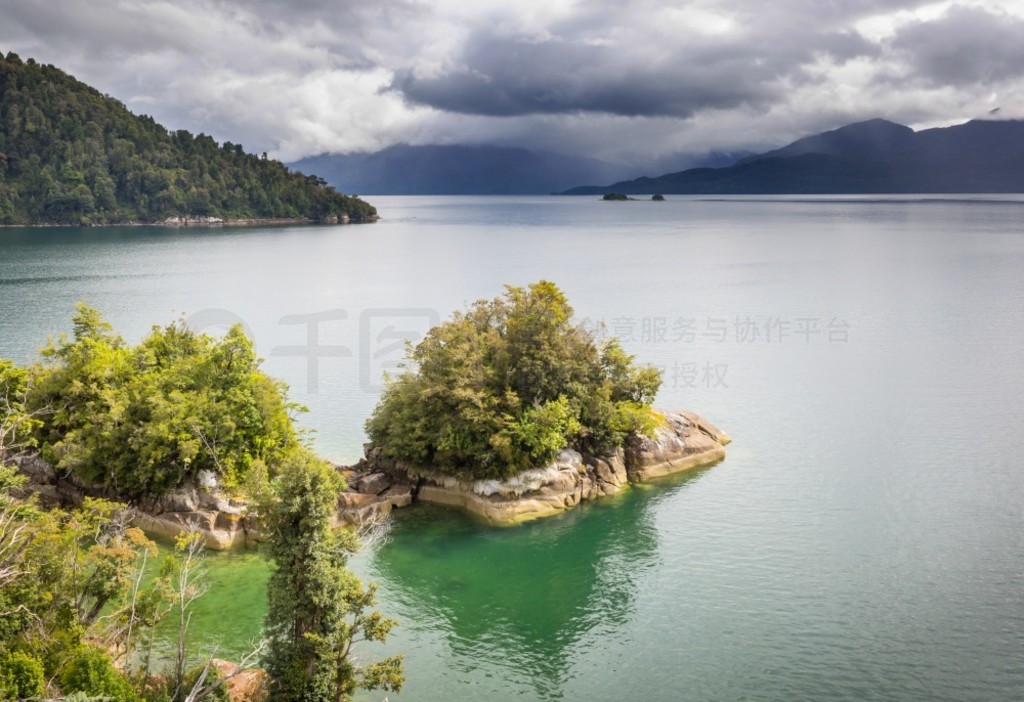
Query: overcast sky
[{"x": 613, "y": 79}]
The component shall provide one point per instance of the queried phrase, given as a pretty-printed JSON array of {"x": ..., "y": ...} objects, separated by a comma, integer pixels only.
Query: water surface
[{"x": 862, "y": 541}]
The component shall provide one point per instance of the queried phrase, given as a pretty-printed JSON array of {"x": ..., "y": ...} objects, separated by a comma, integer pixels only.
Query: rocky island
[
  {"x": 685, "y": 442},
  {"x": 513, "y": 412}
]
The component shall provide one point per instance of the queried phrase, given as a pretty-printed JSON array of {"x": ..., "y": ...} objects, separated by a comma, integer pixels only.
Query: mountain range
[
  {"x": 876, "y": 156},
  {"x": 460, "y": 169}
]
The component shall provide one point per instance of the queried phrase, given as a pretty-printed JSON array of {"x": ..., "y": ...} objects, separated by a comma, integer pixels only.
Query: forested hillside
[{"x": 70, "y": 155}]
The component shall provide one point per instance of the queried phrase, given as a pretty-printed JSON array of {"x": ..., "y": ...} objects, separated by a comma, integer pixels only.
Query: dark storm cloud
[
  {"x": 505, "y": 76},
  {"x": 965, "y": 47},
  {"x": 513, "y": 76},
  {"x": 607, "y": 78},
  {"x": 223, "y": 32}
]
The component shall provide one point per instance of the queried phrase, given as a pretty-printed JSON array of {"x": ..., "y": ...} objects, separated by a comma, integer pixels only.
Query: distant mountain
[
  {"x": 71, "y": 155},
  {"x": 876, "y": 156},
  {"x": 458, "y": 170}
]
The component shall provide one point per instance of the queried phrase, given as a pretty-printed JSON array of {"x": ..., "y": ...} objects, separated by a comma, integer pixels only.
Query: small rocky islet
[{"x": 685, "y": 441}]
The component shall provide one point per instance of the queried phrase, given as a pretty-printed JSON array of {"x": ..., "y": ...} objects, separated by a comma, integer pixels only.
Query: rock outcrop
[
  {"x": 222, "y": 521},
  {"x": 686, "y": 441},
  {"x": 248, "y": 685},
  {"x": 377, "y": 486}
]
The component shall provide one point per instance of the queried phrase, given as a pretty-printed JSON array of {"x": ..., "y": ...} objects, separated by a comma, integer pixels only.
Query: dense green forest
[
  {"x": 71, "y": 155},
  {"x": 506, "y": 385}
]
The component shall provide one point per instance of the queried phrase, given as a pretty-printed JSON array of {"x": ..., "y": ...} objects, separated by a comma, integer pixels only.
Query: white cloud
[{"x": 618, "y": 79}]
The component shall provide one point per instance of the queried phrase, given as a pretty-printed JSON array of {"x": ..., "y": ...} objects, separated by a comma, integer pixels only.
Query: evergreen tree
[{"x": 318, "y": 608}]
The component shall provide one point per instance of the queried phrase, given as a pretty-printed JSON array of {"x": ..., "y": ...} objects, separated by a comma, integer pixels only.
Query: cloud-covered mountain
[
  {"x": 480, "y": 170},
  {"x": 875, "y": 156},
  {"x": 455, "y": 170}
]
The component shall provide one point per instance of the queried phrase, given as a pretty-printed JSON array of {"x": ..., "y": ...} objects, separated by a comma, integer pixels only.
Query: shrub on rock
[{"x": 507, "y": 384}]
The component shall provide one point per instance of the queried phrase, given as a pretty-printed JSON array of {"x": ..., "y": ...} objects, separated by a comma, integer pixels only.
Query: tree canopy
[
  {"x": 142, "y": 419},
  {"x": 506, "y": 385},
  {"x": 73, "y": 611},
  {"x": 71, "y": 155}
]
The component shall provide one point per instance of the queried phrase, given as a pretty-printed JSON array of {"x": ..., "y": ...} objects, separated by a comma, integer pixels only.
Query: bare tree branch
[{"x": 202, "y": 689}]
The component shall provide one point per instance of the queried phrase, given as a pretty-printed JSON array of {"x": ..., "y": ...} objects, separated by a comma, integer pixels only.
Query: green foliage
[
  {"x": 77, "y": 618},
  {"x": 317, "y": 608},
  {"x": 17, "y": 424},
  {"x": 21, "y": 676},
  {"x": 90, "y": 670},
  {"x": 546, "y": 429},
  {"x": 140, "y": 420},
  {"x": 70, "y": 155},
  {"x": 506, "y": 385},
  {"x": 72, "y": 602}
]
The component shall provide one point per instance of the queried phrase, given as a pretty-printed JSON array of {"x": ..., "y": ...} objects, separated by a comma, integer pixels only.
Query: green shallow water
[
  {"x": 229, "y": 614},
  {"x": 506, "y": 609}
]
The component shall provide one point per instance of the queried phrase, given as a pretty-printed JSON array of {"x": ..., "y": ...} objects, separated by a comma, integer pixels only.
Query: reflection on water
[{"x": 522, "y": 599}]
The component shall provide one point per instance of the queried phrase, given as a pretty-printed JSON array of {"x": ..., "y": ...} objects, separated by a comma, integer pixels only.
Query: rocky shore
[
  {"x": 223, "y": 521},
  {"x": 686, "y": 441},
  {"x": 198, "y": 221},
  {"x": 377, "y": 486}
]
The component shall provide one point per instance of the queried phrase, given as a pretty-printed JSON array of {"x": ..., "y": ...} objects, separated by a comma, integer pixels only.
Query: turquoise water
[{"x": 862, "y": 541}]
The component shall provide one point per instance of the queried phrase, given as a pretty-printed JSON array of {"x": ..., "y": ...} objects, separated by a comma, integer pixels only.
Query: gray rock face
[
  {"x": 686, "y": 441},
  {"x": 180, "y": 500},
  {"x": 221, "y": 521},
  {"x": 399, "y": 495},
  {"x": 373, "y": 484},
  {"x": 356, "y": 508},
  {"x": 218, "y": 530},
  {"x": 35, "y": 469}
]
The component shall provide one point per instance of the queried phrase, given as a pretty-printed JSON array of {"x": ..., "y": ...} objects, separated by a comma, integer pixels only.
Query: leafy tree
[
  {"x": 141, "y": 420},
  {"x": 61, "y": 569},
  {"x": 70, "y": 155},
  {"x": 17, "y": 423},
  {"x": 21, "y": 676},
  {"x": 509, "y": 383},
  {"x": 317, "y": 608},
  {"x": 90, "y": 670}
]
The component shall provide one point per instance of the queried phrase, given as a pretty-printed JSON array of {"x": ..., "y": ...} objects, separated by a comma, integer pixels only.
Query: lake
[{"x": 863, "y": 540}]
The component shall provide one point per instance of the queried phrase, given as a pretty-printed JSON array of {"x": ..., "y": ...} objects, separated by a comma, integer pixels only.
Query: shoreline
[
  {"x": 375, "y": 487},
  {"x": 686, "y": 442},
  {"x": 523, "y": 511},
  {"x": 182, "y": 222}
]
